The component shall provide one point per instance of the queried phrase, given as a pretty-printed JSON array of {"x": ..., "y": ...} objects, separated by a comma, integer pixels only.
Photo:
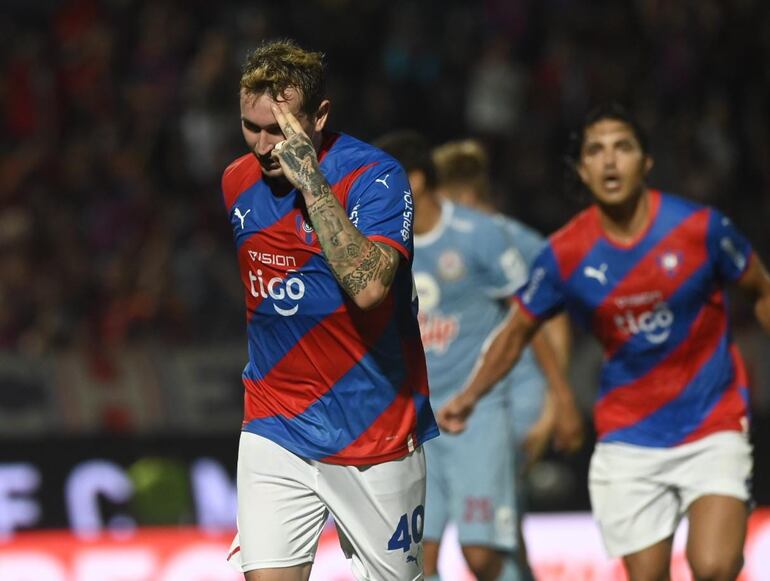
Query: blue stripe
[
  {"x": 676, "y": 420},
  {"x": 638, "y": 356}
]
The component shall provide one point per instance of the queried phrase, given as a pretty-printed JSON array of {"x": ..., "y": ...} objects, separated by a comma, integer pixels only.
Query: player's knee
[{"x": 715, "y": 567}]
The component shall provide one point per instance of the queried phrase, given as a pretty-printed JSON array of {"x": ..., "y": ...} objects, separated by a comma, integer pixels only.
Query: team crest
[
  {"x": 305, "y": 230},
  {"x": 670, "y": 262},
  {"x": 451, "y": 266}
]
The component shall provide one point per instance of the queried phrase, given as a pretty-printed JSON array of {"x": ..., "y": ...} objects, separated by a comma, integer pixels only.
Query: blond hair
[
  {"x": 463, "y": 164},
  {"x": 276, "y": 66}
]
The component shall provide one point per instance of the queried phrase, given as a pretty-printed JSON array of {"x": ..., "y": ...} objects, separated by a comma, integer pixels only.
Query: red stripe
[
  {"x": 238, "y": 177},
  {"x": 731, "y": 408},
  {"x": 317, "y": 362},
  {"x": 689, "y": 239},
  {"x": 571, "y": 244},
  {"x": 235, "y": 551},
  {"x": 628, "y": 404},
  {"x": 342, "y": 188}
]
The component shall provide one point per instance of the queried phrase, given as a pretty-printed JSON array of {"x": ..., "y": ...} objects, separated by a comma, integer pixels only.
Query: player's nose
[{"x": 265, "y": 143}]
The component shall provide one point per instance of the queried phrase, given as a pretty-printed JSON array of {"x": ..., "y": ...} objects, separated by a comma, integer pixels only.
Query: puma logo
[
  {"x": 240, "y": 216},
  {"x": 384, "y": 181},
  {"x": 600, "y": 274}
]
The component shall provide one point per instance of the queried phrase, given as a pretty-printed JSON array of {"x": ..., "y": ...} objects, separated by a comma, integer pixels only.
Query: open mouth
[{"x": 611, "y": 182}]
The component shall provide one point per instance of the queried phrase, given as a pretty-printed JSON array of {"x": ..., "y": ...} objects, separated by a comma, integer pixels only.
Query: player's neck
[
  {"x": 427, "y": 213},
  {"x": 624, "y": 223}
]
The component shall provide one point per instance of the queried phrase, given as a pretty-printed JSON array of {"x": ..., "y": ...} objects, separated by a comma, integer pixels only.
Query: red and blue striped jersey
[
  {"x": 671, "y": 373},
  {"x": 325, "y": 379}
]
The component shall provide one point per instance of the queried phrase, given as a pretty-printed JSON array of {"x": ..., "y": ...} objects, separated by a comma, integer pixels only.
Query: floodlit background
[{"x": 121, "y": 316}]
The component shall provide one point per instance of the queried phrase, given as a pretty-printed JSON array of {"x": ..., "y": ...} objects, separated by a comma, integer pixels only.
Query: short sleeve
[
  {"x": 729, "y": 250},
  {"x": 504, "y": 268},
  {"x": 528, "y": 241},
  {"x": 381, "y": 206},
  {"x": 543, "y": 295}
]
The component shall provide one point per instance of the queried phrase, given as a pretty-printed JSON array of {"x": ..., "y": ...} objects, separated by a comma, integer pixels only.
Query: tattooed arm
[{"x": 364, "y": 269}]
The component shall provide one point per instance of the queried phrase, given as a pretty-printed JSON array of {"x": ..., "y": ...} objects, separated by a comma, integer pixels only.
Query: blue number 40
[{"x": 401, "y": 538}]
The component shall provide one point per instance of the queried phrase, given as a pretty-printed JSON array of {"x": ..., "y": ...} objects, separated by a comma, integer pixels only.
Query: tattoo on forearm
[{"x": 355, "y": 260}]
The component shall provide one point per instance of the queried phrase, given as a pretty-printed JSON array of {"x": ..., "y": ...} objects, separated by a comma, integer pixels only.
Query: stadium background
[{"x": 121, "y": 325}]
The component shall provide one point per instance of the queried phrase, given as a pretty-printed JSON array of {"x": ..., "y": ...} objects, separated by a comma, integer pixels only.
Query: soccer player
[
  {"x": 336, "y": 394},
  {"x": 646, "y": 272},
  {"x": 465, "y": 266},
  {"x": 462, "y": 169}
]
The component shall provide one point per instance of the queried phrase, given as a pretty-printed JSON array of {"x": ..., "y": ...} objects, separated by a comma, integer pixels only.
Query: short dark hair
[
  {"x": 275, "y": 66},
  {"x": 613, "y": 111},
  {"x": 412, "y": 151}
]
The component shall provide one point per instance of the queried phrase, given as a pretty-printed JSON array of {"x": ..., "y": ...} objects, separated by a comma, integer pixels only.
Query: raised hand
[{"x": 296, "y": 154}]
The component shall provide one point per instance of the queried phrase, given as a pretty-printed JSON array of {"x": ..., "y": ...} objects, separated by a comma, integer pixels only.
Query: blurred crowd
[{"x": 118, "y": 117}]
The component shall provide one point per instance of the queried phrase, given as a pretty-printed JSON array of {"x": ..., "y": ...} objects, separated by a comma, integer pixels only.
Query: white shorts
[
  {"x": 284, "y": 501},
  {"x": 640, "y": 494}
]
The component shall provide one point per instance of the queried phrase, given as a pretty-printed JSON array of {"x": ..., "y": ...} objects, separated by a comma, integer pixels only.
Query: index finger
[{"x": 286, "y": 120}]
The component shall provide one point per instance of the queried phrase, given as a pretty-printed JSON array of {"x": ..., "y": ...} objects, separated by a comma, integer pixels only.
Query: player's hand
[
  {"x": 296, "y": 154},
  {"x": 569, "y": 432},
  {"x": 453, "y": 416},
  {"x": 537, "y": 440}
]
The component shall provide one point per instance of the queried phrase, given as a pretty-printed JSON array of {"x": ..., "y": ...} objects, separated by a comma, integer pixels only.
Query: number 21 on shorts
[{"x": 404, "y": 535}]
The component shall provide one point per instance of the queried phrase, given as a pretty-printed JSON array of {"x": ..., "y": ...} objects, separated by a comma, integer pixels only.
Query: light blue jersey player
[
  {"x": 465, "y": 269},
  {"x": 463, "y": 176}
]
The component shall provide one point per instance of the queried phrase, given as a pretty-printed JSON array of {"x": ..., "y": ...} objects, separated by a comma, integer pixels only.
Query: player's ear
[
  {"x": 321, "y": 114},
  {"x": 581, "y": 172},
  {"x": 648, "y": 163}
]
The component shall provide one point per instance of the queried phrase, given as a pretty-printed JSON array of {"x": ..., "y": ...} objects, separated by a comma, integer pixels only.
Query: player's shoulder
[
  {"x": 467, "y": 220},
  {"x": 678, "y": 205},
  {"x": 239, "y": 175},
  {"x": 583, "y": 224},
  {"x": 348, "y": 154},
  {"x": 517, "y": 229}
]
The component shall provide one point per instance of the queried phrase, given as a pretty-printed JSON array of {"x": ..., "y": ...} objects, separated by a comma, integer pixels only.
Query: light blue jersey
[{"x": 465, "y": 271}]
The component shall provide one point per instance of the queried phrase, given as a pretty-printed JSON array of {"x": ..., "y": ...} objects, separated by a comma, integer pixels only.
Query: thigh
[
  {"x": 280, "y": 515},
  {"x": 633, "y": 508},
  {"x": 481, "y": 472},
  {"x": 296, "y": 573},
  {"x": 380, "y": 515}
]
